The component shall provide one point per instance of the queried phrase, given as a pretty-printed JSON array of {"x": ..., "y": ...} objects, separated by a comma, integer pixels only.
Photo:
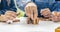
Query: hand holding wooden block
[
  {"x": 35, "y": 21},
  {"x": 28, "y": 20}
]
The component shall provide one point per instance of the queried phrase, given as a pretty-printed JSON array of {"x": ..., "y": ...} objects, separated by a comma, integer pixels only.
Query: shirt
[
  {"x": 53, "y": 5},
  {"x": 5, "y": 7}
]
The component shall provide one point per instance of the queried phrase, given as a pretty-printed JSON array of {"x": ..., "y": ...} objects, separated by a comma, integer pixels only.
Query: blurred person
[
  {"x": 7, "y": 10},
  {"x": 44, "y": 7}
]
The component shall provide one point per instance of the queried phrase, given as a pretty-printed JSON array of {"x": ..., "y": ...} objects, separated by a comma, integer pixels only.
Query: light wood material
[
  {"x": 36, "y": 21},
  {"x": 57, "y": 29}
]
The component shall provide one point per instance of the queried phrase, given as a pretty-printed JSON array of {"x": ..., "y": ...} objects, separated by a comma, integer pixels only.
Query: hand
[
  {"x": 3, "y": 18},
  {"x": 9, "y": 15},
  {"x": 59, "y": 16},
  {"x": 45, "y": 12},
  {"x": 30, "y": 9},
  {"x": 55, "y": 16}
]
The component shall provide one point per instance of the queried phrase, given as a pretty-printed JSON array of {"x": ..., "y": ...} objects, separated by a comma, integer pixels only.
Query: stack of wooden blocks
[{"x": 29, "y": 21}]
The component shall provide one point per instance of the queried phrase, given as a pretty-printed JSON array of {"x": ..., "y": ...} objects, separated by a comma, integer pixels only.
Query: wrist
[{"x": 1, "y": 18}]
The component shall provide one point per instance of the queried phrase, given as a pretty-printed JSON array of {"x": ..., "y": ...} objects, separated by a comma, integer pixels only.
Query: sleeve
[
  {"x": 2, "y": 11},
  {"x": 22, "y": 3},
  {"x": 57, "y": 6},
  {"x": 3, "y": 7},
  {"x": 12, "y": 6}
]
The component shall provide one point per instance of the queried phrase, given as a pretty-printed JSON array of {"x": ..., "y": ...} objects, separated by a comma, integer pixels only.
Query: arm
[
  {"x": 22, "y": 3},
  {"x": 2, "y": 11},
  {"x": 12, "y": 6},
  {"x": 57, "y": 6}
]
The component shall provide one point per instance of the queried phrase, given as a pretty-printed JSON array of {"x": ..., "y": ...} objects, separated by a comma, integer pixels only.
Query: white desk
[{"x": 43, "y": 26}]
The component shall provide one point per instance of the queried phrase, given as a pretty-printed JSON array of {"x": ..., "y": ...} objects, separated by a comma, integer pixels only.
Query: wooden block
[
  {"x": 16, "y": 21},
  {"x": 35, "y": 21},
  {"x": 28, "y": 20},
  {"x": 45, "y": 19},
  {"x": 40, "y": 19},
  {"x": 57, "y": 29}
]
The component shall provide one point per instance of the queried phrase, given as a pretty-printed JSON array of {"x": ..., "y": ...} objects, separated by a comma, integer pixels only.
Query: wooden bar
[{"x": 57, "y": 29}]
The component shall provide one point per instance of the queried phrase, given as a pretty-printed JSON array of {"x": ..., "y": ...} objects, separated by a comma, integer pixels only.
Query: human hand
[
  {"x": 55, "y": 16},
  {"x": 9, "y": 15},
  {"x": 31, "y": 10},
  {"x": 45, "y": 12}
]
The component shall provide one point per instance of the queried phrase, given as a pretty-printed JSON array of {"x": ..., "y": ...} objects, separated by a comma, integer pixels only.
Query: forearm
[
  {"x": 12, "y": 6},
  {"x": 13, "y": 9}
]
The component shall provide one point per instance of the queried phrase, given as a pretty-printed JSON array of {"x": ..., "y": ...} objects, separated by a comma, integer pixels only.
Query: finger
[
  {"x": 31, "y": 9},
  {"x": 32, "y": 15},
  {"x": 27, "y": 11},
  {"x": 11, "y": 12},
  {"x": 18, "y": 13},
  {"x": 35, "y": 11},
  {"x": 42, "y": 10},
  {"x": 5, "y": 19},
  {"x": 13, "y": 15},
  {"x": 58, "y": 17},
  {"x": 55, "y": 19},
  {"x": 10, "y": 17}
]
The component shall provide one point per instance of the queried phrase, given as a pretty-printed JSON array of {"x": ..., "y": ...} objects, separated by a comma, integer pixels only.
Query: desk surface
[{"x": 22, "y": 26}]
